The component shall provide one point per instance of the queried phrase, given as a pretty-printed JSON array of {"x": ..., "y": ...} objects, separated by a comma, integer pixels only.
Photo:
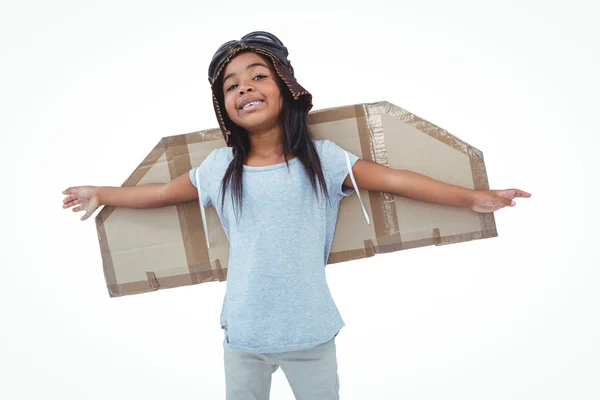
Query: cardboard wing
[{"x": 146, "y": 250}]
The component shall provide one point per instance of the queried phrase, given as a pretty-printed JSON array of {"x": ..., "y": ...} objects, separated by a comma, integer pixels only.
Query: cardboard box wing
[{"x": 147, "y": 250}]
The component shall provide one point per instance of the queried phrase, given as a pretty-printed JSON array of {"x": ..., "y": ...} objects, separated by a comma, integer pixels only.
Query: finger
[
  {"x": 521, "y": 193},
  {"x": 70, "y": 190},
  {"x": 512, "y": 193},
  {"x": 84, "y": 216},
  {"x": 77, "y": 209},
  {"x": 69, "y": 198},
  {"x": 72, "y": 203},
  {"x": 507, "y": 202}
]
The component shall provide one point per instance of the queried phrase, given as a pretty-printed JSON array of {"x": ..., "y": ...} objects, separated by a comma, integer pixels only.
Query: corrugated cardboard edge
[
  {"x": 385, "y": 220},
  {"x": 178, "y": 158}
]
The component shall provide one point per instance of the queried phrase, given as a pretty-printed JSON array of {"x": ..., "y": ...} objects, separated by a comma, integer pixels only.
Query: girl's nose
[{"x": 244, "y": 89}]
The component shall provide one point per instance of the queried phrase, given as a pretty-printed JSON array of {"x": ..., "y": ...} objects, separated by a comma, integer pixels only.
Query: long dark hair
[{"x": 297, "y": 140}]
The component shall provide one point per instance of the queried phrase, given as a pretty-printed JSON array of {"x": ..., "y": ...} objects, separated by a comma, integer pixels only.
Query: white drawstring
[
  {"x": 356, "y": 188},
  {"x": 202, "y": 208}
]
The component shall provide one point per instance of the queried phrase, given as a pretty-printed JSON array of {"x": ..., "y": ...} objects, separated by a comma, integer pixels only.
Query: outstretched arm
[
  {"x": 375, "y": 177},
  {"x": 151, "y": 195}
]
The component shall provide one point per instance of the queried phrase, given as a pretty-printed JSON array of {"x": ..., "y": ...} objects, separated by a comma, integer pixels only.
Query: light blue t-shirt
[{"x": 277, "y": 296}]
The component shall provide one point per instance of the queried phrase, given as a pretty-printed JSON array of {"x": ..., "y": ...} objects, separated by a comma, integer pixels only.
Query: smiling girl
[{"x": 277, "y": 192}]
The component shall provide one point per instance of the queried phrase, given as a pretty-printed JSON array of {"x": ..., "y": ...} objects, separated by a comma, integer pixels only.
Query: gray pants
[{"x": 312, "y": 374}]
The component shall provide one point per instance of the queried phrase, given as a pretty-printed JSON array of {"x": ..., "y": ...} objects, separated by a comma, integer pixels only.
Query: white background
[{"x": 88, "y": 88}]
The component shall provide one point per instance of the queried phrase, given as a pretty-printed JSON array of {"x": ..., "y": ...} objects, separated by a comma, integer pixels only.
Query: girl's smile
[{"x": 250, "y": 104}]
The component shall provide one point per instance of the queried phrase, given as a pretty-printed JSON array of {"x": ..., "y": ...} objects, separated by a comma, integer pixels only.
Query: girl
[{"x": 277, "y": 193}]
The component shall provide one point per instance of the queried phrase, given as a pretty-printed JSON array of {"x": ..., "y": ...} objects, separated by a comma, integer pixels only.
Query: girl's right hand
[{"x": 86, "y": 198}]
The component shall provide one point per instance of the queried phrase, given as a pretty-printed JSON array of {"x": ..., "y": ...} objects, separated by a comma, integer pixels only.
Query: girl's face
[{"x": 253, "y": 100}]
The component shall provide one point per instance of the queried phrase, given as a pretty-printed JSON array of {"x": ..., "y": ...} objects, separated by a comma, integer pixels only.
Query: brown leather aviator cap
[{"x": 262, "y": 43}]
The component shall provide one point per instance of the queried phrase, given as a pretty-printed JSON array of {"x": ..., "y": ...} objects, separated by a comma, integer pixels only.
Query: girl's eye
[{"x": 256, "y": 78}]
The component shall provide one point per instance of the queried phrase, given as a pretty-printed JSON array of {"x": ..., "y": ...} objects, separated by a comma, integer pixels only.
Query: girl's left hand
[{"x": 488, "y": 201}]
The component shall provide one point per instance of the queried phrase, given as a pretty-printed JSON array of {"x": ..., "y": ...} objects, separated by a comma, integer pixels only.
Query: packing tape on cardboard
[
  {"x": 190, "y": 219},
  {"x": 383, "y": 205}
]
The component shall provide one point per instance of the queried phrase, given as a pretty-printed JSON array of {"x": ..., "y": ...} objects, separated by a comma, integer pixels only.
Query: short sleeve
[
  {"x": 336, "y": 168},
  {"x": 204, "y": 173}
]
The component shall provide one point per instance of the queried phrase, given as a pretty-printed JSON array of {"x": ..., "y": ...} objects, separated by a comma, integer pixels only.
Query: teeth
[{"x": 252, "y": 103}]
